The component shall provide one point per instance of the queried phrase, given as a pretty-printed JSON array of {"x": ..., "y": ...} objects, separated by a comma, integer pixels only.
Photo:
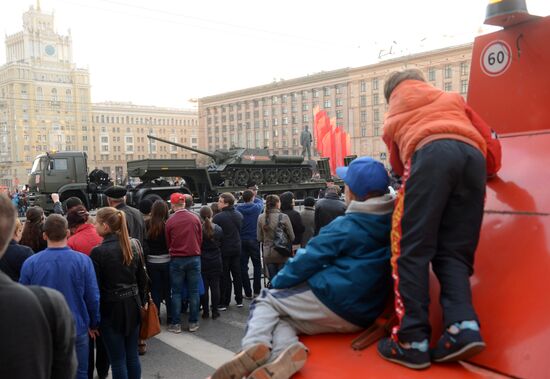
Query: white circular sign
[{"x": 496, "y": 58}]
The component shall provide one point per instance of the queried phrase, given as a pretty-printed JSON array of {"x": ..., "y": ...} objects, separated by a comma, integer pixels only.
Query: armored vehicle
[{"x": 238, "y": 166}]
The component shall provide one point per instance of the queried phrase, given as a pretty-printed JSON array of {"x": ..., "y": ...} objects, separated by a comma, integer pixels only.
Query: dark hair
[
  {"x": 188, "y": 201},
  {"x": 309, "y": 201},
  {"x": 248, "y": 195},
  {"x": 8, "y": 215},
  {"x": 145, "y": 206},
  {"x": 286, "y": 201},
  {"x": 215, "y": 209},
  {"x": 396, "y": 77},
  {"x": 206, "y": 216},
  {"x": 271, "y": 202},
  {"x": 72, "y": 202},
  {"x": 228, "y": 198},
  {"x": 77, "y": 216},
  {"x": 32, "y": 231},
  {"x": 116, "y": 219},
  {"x": 156, "y": 223},
  {"x": 55, "y": 227}
]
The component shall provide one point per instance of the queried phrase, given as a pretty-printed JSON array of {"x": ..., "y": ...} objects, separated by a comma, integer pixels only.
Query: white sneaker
[
  {"x": 193, "y": 327},
  {"x": 174, "y": 328}
]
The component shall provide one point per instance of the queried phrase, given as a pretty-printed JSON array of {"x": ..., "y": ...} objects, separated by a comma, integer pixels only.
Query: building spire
[{"x": 38, "y": 5}]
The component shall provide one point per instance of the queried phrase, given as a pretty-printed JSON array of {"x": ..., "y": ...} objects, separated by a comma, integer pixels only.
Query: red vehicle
[{"x": 510, "y": 88}]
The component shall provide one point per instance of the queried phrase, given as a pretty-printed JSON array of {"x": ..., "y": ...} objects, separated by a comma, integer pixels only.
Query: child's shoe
[
  {"x": 463, "y": 344},
  {"x": 415, "y": 358},
  {"x": 244, "y": 362},
  {"x": 288, "y": 363}
]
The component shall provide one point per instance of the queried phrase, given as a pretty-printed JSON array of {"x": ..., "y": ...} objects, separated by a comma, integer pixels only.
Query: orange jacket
[{"x": 420, "y": 113}]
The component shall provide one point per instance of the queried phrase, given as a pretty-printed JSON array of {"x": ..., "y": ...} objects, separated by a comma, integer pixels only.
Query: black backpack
[{"x": 281, "y": 243}]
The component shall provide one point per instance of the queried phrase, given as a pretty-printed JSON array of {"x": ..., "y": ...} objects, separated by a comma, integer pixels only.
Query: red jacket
[
  {"x": 84, "y": 239},
  {"x": 184, "y": 234},
  {"x": 420, "y": 113}
]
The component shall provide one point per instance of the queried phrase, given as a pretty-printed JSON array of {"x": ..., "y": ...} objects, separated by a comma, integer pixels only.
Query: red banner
[{"x": 332, "y": 142}]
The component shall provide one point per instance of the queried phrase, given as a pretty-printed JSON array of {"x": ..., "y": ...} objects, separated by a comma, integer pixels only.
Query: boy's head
[
  {"x": 364, "y": 178},
  {"x": 55, "y": 228},
  {"x": 396, "y": 77},
  {"x": 248, "y": 196}
]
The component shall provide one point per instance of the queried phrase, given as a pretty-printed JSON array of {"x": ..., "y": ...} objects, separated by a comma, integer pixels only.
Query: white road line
[{"x": 198, "y": 348}]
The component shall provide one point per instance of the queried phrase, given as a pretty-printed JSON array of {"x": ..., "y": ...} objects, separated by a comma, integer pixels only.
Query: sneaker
[
  {"x": 193, "y": 326},
  {"x": 215, "y": 315},
  {"x": 287, "y": 364},
  {"x": 457, "y": 347},
  {"x": 239, "y": 305},
  {"x": 244, "y": 362},
  {"x": 174, "y": 328},
  {"x": 413, "y": 358},
  {"x": 222, "y": 308},
  {"x": 248, "y": 297}
]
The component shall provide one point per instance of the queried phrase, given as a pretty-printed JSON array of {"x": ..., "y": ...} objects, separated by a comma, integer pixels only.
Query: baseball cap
[
  {"x": 177, "y": 198},
  {"x": 364, "y": 175}
]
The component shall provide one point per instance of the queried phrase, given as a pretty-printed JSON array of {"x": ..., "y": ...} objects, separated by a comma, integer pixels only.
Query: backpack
[
  {"x": 494, "y": 150},
  {"x": 281, "y": 242}
]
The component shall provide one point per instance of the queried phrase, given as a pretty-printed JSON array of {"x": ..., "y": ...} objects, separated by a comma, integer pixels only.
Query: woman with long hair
[
  {"x": 267, "y": 224},
  {"x": 84, "y": 236},
  {"x": 122, "y": 283},
  {"x": 158, "y": 258},
  {"x": 211, "y": 262},
  {"x": 32, "y": 230}
]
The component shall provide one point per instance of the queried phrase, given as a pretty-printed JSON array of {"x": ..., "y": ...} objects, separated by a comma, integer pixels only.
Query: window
[
  {"x": 464, "y": 68},
  {"x": 375, "y": 99},
  {"x": 448, "y": 71},
  {"x": 431, "y": 74},
  {"x": 293, "y": 97},
  {"x": 339, "y": 113},
  {"x": 284, "y": 98},
  {"x": 339, "y": 102},
  {"x": 363, "y": 116},
  {"x": 285, "y": 121},
  {"x": 304, "y": 94},
  {"x": 59, "y": 164},
  {"x": 104, "y": 139},
  {"x": 275, "y": 121},
  {"x": 305, "y": 106},
  {"x": 362, "y": 86},
  {"x": 376, "y": 115},
  {"x": 315, "y": 93},
  {"x": 339, "y": 89},
  {"x": 305, "y": 118},
  {"x": 54, "y": 94},
  {"x": 375, "y": 84},
  {"x": 363, "y": 132},
  {"x": 326, "y": 91},
  {"x": 363, "y": 101},
  {"x": 326, "y": 104},
  {"x": 448, "y": 86},
  {"x": 463, "y": 86}
]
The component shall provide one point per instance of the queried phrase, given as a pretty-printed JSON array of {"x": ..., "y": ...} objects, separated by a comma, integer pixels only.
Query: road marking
[{"x": 196, "y": 347}]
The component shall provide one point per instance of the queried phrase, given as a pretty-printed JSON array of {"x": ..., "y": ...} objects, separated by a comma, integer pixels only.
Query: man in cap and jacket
[{"x": 116, "y": 197}]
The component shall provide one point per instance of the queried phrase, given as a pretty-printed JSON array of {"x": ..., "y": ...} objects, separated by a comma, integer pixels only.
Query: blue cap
[{"x": 365, "y": 175}]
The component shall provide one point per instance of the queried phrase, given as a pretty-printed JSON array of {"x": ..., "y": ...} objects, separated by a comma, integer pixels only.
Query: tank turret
[{"x": 238, "y": 166}]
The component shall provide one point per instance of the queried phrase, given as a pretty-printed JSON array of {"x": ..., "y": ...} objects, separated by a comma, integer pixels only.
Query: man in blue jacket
[
  {"x": 72, "y": 274},
  {"x": 338, "y": 283},
  {"x": 250, "y": 209}
]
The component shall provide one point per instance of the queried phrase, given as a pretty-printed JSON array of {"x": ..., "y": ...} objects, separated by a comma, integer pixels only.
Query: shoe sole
[
  {"x": 287, "y": 364},
  {"x": 466, "y": 352},
  {"x": 414, "y": 366},
  {"x": 243, "y": 363}
]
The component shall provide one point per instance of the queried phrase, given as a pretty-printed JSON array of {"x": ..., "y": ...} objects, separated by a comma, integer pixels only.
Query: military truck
[{"x": 66, "y": 173}]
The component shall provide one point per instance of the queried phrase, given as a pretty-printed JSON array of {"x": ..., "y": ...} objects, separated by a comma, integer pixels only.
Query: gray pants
[
  {"x": 277, "y": 316},
  {"x": 306, "y": 149}
]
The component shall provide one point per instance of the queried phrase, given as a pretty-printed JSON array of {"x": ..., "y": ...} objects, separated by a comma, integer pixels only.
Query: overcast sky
[{"x": 165, "y": 52}]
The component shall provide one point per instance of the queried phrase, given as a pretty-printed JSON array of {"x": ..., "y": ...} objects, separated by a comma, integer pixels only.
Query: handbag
[
  {"x": 281, "y": 242},
  {"x": 150, "y": 323}
]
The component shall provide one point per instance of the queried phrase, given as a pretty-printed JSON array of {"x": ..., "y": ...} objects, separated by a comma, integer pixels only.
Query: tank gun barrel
[{"x": 211, "y": 155}]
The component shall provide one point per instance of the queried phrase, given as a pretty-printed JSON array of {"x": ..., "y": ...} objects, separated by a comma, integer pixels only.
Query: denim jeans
[
  {"x": 81, "y": 346},
  {"x": 188, "y": 270},
  {"x": 122, "y": 351},
  {"x": 160, "y": 284},
  {"x": 251, "y": 250}
]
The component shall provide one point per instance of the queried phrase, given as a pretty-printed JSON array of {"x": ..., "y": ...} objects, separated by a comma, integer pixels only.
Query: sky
[{"x": 168, "y": 52}]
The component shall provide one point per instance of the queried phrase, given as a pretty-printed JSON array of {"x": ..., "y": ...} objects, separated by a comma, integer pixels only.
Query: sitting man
[{"x": 339, "y": 283}]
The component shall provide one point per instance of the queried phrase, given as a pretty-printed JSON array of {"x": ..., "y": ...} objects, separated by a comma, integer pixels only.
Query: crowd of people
[{"x": 343, "y": 263}]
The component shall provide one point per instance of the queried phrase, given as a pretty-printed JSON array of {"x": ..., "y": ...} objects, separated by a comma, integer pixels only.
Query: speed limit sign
[{"x": 496, "y": 58}]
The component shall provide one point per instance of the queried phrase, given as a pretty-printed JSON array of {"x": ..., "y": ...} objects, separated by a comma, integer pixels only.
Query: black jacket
[
  {"x": 230, "y": 221},
  {"x": 112, "y": 276},
  {"x": 13, "y": 259},
  {"x": 297, "y": 225},
  {"x": 327, "y": 209},
  {"x": 211, "y": 257},
  {"x": 135, "y": 222}
]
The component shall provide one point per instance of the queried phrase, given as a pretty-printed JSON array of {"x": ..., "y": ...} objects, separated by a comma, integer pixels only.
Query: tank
[{"x": 239, "y": 166}]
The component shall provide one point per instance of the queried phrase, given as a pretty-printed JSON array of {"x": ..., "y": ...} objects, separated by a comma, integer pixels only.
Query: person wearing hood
[
  {"x": 308, "y": 219},
  {"x": 436, "y": 148},
  {"x": 251, "y": 210},
  {"x": 339, "y": 283}
]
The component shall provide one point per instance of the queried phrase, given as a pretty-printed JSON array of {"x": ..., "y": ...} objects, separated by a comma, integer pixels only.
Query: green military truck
[{"x": 66, "y": 173}]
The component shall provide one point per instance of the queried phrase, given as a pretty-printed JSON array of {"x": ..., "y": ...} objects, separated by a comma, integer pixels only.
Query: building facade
[
  {"x": 45, "y": 105},
  {"x": 274, "y": 115}
]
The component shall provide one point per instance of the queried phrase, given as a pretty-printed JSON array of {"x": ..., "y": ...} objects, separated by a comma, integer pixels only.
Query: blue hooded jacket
[
  {"x": 347, "y": 266},
  {"x": 250, "y": 211}
]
